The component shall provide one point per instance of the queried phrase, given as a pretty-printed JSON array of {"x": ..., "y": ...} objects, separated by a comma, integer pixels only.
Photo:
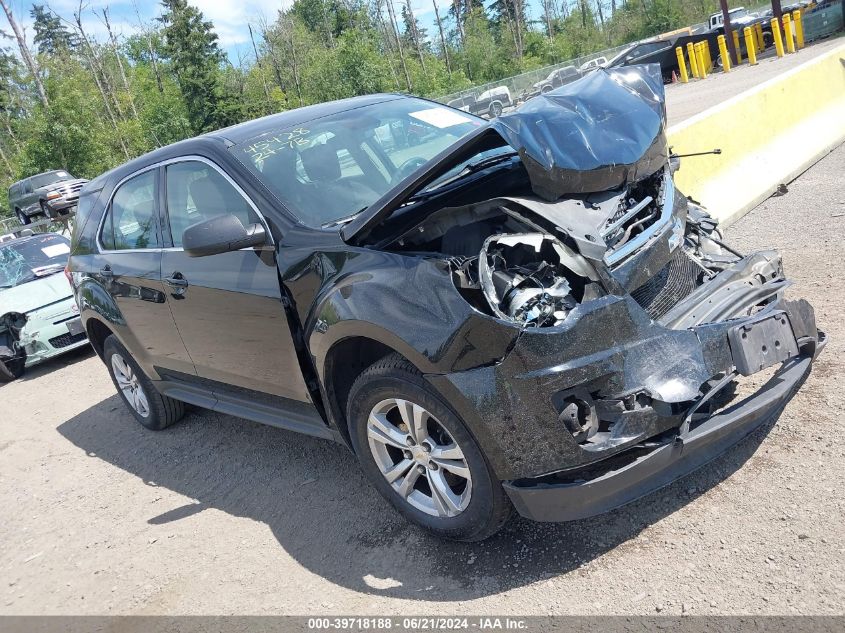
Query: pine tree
[
  {"x": 51, "y": 36},
  {"x": 191, "y": 45}
]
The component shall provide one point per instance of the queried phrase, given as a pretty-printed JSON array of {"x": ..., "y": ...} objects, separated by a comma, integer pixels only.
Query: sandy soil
[{"x": 222, "y": 516}]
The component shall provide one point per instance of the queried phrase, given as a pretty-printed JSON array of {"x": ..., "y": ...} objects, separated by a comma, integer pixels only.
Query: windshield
[
  {"x": 46, "y": 179},
  {"x": 334, "y": 167},
  {"x": 29, "y": 259}
]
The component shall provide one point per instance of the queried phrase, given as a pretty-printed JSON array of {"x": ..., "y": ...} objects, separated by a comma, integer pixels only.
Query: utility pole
[{"x": 729, "y": 36}]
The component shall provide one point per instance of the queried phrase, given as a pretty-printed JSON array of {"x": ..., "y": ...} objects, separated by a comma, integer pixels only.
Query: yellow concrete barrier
[
  {"x": 799, "y": 28},
  {"x": 693, "y": 63},
  {"x": 750, "y": 45},
  {"x": 787, "y": 34},
  {"x": 723, "y": 51},
  {"x": 682, "y": 66},
  {"x": 768, "y": 136},
  {"x": 776, "y": 35}
]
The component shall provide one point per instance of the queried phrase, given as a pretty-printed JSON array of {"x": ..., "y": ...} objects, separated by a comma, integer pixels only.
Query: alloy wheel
[
  {"x": 419, "y": 458},
  {"x": 130, "y": 386}
]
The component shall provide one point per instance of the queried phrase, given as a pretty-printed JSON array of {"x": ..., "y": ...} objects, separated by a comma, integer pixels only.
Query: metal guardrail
[{"x": 61, "y": 225}]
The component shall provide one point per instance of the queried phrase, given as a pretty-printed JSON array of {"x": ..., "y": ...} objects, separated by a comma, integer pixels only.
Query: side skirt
[{"x": 286, "y": 414}]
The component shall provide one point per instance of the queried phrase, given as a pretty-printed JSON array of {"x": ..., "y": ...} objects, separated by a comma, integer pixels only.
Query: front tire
[
  {"x": 12, "y": 370},
  {"x": 420, "y": 456},
  {"x": 22, "y": 217},
  {"x": 150, "y": 408},
  {"x": 45, "y": 210}
]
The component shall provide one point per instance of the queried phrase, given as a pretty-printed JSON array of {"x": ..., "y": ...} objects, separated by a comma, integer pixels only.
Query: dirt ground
[{"x": 222, "y": 516}]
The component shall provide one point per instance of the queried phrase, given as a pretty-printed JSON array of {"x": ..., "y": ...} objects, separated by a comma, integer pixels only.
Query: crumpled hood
[
  {"x": 598, "y": 133},
  {"x": 601, "y": 132},
  {"x": 34, "y": 294}
]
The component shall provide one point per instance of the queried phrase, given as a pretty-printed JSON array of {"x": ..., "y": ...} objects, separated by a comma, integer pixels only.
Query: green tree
[
  {"x": 51, "y": 36},
  {"x": 191, "y": 45}
]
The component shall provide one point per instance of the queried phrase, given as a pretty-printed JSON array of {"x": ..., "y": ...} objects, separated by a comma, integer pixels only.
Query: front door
[
  {"x": 129, "y": 268},
  {"x": 227, "y": 307}
]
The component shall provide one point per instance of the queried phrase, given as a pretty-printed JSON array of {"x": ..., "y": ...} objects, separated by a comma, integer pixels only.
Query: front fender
[{"x": 411, "y": 305}]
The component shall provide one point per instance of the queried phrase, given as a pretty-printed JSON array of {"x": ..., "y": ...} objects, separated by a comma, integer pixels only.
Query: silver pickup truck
[{"x": 50, "y": 194}]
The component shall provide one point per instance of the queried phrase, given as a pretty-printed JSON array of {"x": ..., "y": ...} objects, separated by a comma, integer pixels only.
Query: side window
[
  {"x": 197, "y": 192},
  {"x": 27, "y": 186},
  {"x": 131, "y": 219}
]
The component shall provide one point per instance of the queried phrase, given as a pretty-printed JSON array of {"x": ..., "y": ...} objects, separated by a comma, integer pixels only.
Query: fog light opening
[{"x": 579, "y": 417}]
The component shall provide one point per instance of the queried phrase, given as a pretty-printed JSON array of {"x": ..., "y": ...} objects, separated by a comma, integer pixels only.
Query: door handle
[{"x": 176, "y": 280}]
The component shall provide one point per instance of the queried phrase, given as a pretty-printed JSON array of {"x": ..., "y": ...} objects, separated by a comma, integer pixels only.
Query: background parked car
[
  {"x": 49, "y": 194},
  {"x": 38, "y": 315},
  {"x": 490, "y": 102},
  {"x": 662, "y": 52},
  {"x": 557, "y": 78}
]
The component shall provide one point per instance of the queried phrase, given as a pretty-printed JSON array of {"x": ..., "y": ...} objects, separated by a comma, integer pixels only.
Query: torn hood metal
[{"x": 598, "y": 133}]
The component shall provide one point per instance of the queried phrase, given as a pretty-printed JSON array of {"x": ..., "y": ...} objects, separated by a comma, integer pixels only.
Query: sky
[{"x": 230, "y": 17}]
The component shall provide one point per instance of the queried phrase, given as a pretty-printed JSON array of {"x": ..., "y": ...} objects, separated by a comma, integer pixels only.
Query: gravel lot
[{"x": 222, "y": 516}]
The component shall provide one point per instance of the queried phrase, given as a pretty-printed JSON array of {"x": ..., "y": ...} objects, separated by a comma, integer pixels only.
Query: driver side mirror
[{"x": 221, "y": 234}]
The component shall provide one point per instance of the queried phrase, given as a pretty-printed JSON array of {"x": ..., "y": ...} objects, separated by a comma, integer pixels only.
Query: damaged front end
[
  {"x": 635, "y": 320},
  {"x": 12, "y": 353}
]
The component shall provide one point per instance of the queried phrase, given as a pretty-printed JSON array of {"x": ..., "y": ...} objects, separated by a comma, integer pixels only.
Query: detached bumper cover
[{"x": 666, "y": 463}]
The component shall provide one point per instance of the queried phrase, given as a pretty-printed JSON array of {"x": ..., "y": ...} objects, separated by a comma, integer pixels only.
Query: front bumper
[
  {"x": 51, "y": 331},
  {"x": 665, "y": 462}
]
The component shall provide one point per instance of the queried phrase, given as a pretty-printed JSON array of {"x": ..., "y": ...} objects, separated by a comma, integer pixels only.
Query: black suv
[
  {"x": 50, "y": 194},
  {"x": 555, "y": 330}
]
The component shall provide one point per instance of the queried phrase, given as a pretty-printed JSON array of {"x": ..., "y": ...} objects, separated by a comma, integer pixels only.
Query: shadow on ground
[{"x": 324, "y": 514}]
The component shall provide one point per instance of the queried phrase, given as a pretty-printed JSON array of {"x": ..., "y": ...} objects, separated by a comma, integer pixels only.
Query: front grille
[
  {"x": 675, "y": 281},
  {"x": 66, "y": 339}
]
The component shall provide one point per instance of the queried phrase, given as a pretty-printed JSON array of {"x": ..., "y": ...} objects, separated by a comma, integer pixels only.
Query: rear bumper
[{"x": 668, "y": 462}]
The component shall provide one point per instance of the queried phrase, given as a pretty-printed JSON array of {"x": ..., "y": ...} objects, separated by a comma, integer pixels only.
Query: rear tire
[
  {"x": 435, "y": 475},
  {"x": 150, "y": 408}
]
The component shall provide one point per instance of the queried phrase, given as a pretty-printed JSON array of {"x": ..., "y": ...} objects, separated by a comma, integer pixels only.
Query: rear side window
[
  {"x": 130, "y": 221},
  {"x": 197, "y": 192}
]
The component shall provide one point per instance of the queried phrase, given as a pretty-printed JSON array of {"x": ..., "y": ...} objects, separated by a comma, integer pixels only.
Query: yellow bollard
[
  {"x": 776, "y": 35},
  {"x": 799, "y": 28},
  {"x": 736, "y": 46},
  {"x": 761, "y": 41},
  {"x": 723, "y": 51},
  {"x": 693, "y": 64},
  {"x": 708, "y": 60},
  {"x": 787, "y": 34},
  {"x": 699, "y": 61},
  {"x": 682, "y": 65},
  {"x": 750, "y": 40}
]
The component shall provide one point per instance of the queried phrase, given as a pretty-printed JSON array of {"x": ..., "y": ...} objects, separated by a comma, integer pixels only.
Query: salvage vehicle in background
[
  {"x": 491, "y": 102},
  {"x": 662, "y": 52},
  {"x": 38, "y": 315},
  {"x": 50, "y": 194},
  {"x": 506, "y": 315},
  {"x": 555, "y": 79}
]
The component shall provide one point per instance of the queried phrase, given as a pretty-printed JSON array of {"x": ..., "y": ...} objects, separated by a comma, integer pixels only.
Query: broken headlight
[{"x": 532, "y": 279}]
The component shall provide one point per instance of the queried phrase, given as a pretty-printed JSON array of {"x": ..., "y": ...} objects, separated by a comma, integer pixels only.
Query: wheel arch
[{"x": 345, "y": 360}]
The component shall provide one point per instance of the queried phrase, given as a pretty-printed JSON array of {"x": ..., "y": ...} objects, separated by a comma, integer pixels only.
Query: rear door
[
  {"x": 29, "y": 201},
  {"x": 228, "y": 307},
  {"x": 129, "y": 267}
]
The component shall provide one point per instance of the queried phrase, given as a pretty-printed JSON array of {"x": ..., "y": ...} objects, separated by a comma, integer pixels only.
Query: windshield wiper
[
  {"x": 470, "y": 168},
  {"x": 343, "y": 220}
]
